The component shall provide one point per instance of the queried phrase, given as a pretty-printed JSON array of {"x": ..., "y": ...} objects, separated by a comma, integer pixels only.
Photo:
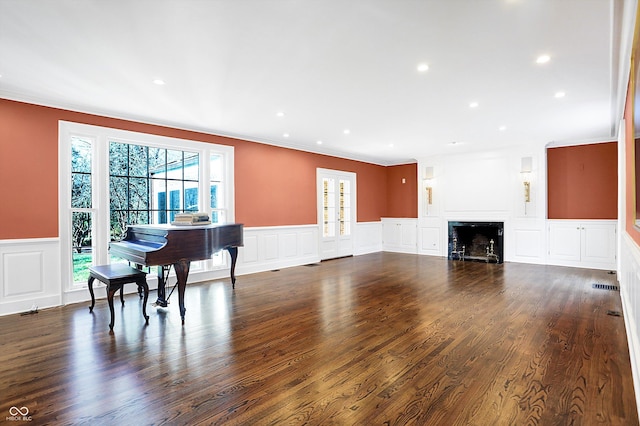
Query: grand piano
[{"x": 166, "y": 245}]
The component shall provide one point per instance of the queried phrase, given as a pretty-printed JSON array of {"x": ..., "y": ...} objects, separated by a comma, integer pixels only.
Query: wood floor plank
[{"x": 383, "y": 338}]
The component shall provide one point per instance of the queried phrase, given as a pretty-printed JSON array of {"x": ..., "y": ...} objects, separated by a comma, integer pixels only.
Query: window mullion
[
  {"x": 205, "y": 181},
  {"x": 101, "y": 200}
]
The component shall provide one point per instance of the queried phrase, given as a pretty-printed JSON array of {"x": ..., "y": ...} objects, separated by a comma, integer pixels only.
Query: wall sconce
[
  {"x": 525, "y": 169},
  {"x": 428, "y": 175}
]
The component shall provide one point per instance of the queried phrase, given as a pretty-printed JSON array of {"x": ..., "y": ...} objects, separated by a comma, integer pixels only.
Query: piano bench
[{"x": 115, "y": 276}]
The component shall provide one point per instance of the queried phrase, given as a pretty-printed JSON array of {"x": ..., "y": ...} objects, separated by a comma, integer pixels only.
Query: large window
[
  {"x": 150, "y": 185},
  {"x": 81, "y": 204},
  {"x": 112, "y": 178}
]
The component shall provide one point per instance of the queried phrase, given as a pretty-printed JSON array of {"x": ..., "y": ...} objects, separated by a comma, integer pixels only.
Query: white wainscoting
[
  {"x": 525, "y": 240},
  {"x": 274, "y": 247},
  {"x": 368, "y": 238},
  {"x": 629, "y": 280},
  {"x": 29, "y": 274}
]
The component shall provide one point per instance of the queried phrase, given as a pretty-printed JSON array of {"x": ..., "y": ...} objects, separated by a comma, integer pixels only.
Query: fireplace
[{"x": 476, "y": 241}]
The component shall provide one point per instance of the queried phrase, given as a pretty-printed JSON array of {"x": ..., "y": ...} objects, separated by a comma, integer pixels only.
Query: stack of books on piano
[{"x": 190, "y": 219}]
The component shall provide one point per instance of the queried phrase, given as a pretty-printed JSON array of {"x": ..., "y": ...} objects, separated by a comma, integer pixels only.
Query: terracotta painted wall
[
  {"x": 274, "y": 186},
  {"x": 402, "y": 199},
  {"x": 28, "y": 172},
  {"x": 583, "y": 181},
  {"x": 279, "y": 185}
]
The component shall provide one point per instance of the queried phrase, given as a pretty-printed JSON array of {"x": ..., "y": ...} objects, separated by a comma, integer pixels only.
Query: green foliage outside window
[{"x": 138, "y": 180}]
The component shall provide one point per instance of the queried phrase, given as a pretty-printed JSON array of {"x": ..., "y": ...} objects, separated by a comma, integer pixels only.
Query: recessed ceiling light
[
  {"x": 423, "y": 67},
  {"x": 159, "y": 82},
  {"x": 280, "y": 114},
  {"x": 473, "y": 104},
  {"x": 390, "y": 145},
  {"x": 319, "y": 142},
  {"x": 502, "y": 128},
  {"x": 543, "y": 59},
  {"x": 559, "y": 95},
  {"x": 286, "y": 135},
  {"x": 346, "y": 131}
]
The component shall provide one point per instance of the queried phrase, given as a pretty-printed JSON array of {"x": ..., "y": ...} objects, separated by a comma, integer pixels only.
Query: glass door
[{"x": 336, "y": 212}]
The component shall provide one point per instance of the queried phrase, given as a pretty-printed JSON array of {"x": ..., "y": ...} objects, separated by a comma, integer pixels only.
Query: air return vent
[{"x": 605, "y": 286}]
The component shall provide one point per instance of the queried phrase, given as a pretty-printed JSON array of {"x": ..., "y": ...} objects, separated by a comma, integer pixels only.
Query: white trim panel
[
  {"x": 275, "y": 247},
  {"x": 29, "y": 274},
  {"x": 629, "y": 280},
  {"x": 368, "y": 238}
]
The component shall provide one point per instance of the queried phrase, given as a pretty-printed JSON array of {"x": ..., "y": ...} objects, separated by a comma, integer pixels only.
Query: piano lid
[{"x": 170, "y": 227}]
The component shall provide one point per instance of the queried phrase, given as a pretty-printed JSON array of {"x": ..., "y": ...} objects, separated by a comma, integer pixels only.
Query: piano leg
[
  {"x": 163, "y": 275},
  {"x": 233, "y": 251},
  {"x": 182, "y": 272}
]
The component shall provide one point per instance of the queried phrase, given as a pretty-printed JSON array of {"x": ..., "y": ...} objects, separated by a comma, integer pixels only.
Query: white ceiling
[{"x": 329, "y": 65}]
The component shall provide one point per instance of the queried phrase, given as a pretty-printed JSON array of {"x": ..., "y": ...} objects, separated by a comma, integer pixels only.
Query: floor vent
[
  {"x": 605, "y": 287},
  {"x": 312, "y": 264}
]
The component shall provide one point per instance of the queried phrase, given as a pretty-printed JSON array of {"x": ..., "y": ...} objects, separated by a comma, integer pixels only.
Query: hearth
[{"x": 476, "y": 241}]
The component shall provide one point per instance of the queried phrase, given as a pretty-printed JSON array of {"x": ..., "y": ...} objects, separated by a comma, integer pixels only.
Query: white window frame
[{"x": 100, "y": 185}]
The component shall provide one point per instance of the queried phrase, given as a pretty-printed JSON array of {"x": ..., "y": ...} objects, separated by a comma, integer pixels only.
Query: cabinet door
[
  {"x": 409, "y": 238},
  {"x": 564, "y": 241},
  {"x": 390, "y": 234},
  {"x": 599, "y": 243}
]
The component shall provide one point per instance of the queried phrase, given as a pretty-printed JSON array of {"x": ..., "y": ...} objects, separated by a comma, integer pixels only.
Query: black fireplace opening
[{"x": 476, "y": 241}]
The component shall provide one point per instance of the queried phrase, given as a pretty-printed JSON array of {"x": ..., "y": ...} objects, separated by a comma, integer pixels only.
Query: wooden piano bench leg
[{"x": 111, "y": 290}]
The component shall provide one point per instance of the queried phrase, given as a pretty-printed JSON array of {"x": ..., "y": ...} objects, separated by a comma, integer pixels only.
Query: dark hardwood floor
[{"x": 369, "y": 340}]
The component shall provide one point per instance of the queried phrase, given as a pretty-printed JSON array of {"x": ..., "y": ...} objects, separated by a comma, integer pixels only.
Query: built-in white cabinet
[
  {"x": 586, "y": 244},
  {"x": 399, "y": 235}
]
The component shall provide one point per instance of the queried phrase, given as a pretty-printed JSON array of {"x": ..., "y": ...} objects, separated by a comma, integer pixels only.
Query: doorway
[{"x": 336, "y": 191}]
